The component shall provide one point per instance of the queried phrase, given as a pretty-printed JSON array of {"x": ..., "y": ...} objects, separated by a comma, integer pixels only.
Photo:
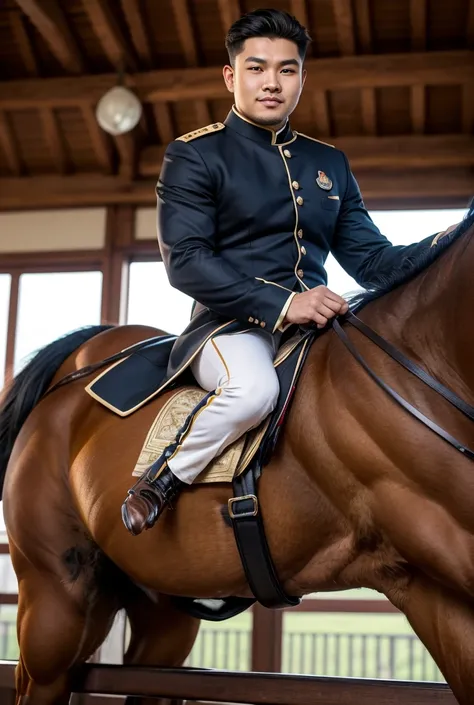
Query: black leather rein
[{"x": 396, "y": 355}]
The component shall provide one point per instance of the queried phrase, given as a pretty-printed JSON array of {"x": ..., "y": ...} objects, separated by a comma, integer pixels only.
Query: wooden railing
[{"x": 226, "y": 686}]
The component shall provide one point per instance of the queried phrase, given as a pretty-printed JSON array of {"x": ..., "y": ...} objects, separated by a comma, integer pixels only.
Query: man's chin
[{"x": 270, "y": 118}]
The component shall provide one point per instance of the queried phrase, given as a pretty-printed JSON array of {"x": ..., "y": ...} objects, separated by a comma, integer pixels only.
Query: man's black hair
[{"x": 266, "y": 23}]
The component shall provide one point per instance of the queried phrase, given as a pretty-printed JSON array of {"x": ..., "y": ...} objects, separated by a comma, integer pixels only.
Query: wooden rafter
[
  {"x": 138, "y": 31},
  {"x": 369, "y": 110},
  {"x": 364, "y": 25},
  {"x": 229, "y": 11},
  {"x": 185, "y": 29},
  {"x": 383, "y": 70},
  {"x": 23, "y": 42},
  {"x": 101, "y": 142},
  {"x": 321, "y": 113},
  {"x": 127, "y": 147},
  {"x": 10, "y": 145},
  {"x": 418, "y": 109},
  {"x": 189, "y": 46},
  {"x": 468, "y": 110},
  {"x": 470, "y": 25},
  {"x": 110, "y": 35},
  {"x": 346, "y": 31},
  {"x": 418, "y": 24},
  {"x": 344, "y": 18},
  {"x": 164, "y": 122},
  {"x": 49, "y": 20},
  {"x": 54, "y": 139}
]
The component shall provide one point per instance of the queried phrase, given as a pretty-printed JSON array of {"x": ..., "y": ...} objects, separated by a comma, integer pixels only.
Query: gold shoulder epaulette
[
  {"x": 209, "y": 129},
  {"x": 301, "y": 134}
]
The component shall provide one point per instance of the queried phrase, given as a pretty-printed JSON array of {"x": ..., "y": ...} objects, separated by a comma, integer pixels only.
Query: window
[
  {"x": 51, "y": 305},
  {"x": 153, "y": 301},
  {"x": 401, "y": 228},
  {"x": 5, "y": 281}
]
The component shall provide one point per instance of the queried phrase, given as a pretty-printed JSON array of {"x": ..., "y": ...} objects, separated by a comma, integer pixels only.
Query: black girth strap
[{"x": 253, "y": 548}]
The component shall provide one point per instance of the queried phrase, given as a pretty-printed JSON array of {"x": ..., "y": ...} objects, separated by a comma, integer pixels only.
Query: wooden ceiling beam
[
  {"x": 344, "y": 18},
  {"x": 189, "y": 46},
  {"x": 127, "y": 147},
  {"x": 321, "y": 113},
  {"x": 9, "y": 145},
  {"x": 50, "y": 21},
  {"x": 164, "y": 122},
  {"x": 470, "y": 25},
  {"x": 23, "y": 42},
  {"x": 185, "y": 29},
  {"x": 418, "y": 24},
  {"x": 138, "y": 31},
  {"x": 230, "y": 12},
  {"x": 54, "y": 139},
  {"x": 109, "y": 34},
  {"x": 418, "y": 109},
  {"x": 468, "y": 110},
  {"x": 407, "y": 152},
  {"x": 368, "y": 99},
  {"x": 101, "y": 142},
  {"x": 364, "y": 25},
  {"x": 346, "y": 30},
  {"x": 445, "y": 188},
  {"x": 382, "y": 70}
]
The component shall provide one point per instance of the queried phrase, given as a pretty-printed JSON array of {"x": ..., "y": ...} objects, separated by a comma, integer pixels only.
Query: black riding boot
[{"x": 148, "y": 497}]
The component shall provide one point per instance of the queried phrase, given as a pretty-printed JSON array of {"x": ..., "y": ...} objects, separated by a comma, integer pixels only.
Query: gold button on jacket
[
  {"x": 299, "y": 200},
  {"x": 287, "y": 153},
  {"x": 295, "y": 185}
]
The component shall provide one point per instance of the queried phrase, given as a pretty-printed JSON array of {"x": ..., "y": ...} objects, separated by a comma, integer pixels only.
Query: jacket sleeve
[
  {"x": 359, "y": 246},
  {"x": 188, "y": 238}
]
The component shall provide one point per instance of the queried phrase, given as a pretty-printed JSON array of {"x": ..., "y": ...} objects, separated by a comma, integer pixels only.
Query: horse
[{"x": 358, "y": 493}]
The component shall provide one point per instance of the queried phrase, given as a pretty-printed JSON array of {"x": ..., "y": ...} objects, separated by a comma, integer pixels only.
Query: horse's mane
[{"x": 411, "y": 266}]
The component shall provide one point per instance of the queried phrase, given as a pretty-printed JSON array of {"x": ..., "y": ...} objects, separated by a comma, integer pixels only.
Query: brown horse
[{"x": 358, "y": 493}]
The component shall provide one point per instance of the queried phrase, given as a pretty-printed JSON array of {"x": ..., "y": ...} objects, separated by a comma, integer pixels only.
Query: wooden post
[{"x": 266, "y": 639}]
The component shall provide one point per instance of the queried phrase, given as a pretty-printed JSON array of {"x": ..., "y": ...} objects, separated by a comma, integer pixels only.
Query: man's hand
[{"x": 317, "y": 305}]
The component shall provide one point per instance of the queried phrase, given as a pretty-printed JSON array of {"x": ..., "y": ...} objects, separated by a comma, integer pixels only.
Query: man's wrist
[{"x": 282, "y": 323}]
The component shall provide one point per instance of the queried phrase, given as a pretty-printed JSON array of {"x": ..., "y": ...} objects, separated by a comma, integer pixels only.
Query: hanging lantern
[{"x": 118, "y": 111}]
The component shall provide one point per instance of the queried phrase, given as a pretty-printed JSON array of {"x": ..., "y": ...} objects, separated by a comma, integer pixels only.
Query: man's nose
[{"x": 272, "y": 83}]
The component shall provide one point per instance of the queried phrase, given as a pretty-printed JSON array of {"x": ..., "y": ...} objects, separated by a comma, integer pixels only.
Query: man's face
[{"x": 267, "y": 80}]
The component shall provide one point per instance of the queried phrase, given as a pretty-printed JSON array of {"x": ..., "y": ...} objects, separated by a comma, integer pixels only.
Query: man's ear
[
  {"x": 304, "y": 73},
  {"x": 228, "y": 73}
]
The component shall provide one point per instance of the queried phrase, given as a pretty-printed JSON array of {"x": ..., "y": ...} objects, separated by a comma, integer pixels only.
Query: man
[{"x": 248, "y": 211}]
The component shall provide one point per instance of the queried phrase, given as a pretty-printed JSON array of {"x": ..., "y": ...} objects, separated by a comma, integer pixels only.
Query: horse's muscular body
[{"x": 357, "y": 494}]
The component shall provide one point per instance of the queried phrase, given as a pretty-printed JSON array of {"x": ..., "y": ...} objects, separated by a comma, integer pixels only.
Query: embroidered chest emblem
[{"x": 324, "y": 181}]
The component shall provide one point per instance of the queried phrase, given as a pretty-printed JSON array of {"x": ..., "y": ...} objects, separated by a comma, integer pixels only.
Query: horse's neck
[{"x": 430, "y": 318}]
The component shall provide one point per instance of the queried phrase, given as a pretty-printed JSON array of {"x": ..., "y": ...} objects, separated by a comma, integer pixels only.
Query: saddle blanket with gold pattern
[
  {"x": 172, "y": 416},
  {"x": 235, "y": 458}
]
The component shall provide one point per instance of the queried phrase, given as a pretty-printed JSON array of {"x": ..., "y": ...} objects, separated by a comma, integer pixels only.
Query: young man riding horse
[{"x": 248, "y": 211}]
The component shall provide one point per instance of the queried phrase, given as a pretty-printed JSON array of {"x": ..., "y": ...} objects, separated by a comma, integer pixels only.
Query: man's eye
[
  {"x": 288, "y": 71},
  {"x": 255, "y": 68}
]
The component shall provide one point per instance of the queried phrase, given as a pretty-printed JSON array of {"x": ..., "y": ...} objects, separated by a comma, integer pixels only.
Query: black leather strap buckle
[{"x": 242, "y": 514}]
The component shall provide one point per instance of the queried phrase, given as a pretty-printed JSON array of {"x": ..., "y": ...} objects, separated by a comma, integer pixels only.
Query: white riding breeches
[{"x": 239, "y": 367}]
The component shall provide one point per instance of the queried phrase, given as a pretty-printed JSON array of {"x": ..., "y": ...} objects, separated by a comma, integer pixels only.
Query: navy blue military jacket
[{"x": 246, "y": 217}]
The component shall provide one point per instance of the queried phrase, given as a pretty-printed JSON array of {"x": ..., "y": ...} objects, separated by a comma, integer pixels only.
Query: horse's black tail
[{"x": 24, "y": 392}]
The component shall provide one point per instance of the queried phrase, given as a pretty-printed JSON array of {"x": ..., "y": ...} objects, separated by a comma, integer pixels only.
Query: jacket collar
[{"x": 247, "y": 128}]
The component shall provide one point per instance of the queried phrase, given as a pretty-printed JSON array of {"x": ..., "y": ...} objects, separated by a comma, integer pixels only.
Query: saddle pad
[{"x": 171, "y": 418}]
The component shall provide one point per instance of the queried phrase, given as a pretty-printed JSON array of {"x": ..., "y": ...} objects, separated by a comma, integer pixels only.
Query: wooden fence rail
[{"x": 255, "y": 688}]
